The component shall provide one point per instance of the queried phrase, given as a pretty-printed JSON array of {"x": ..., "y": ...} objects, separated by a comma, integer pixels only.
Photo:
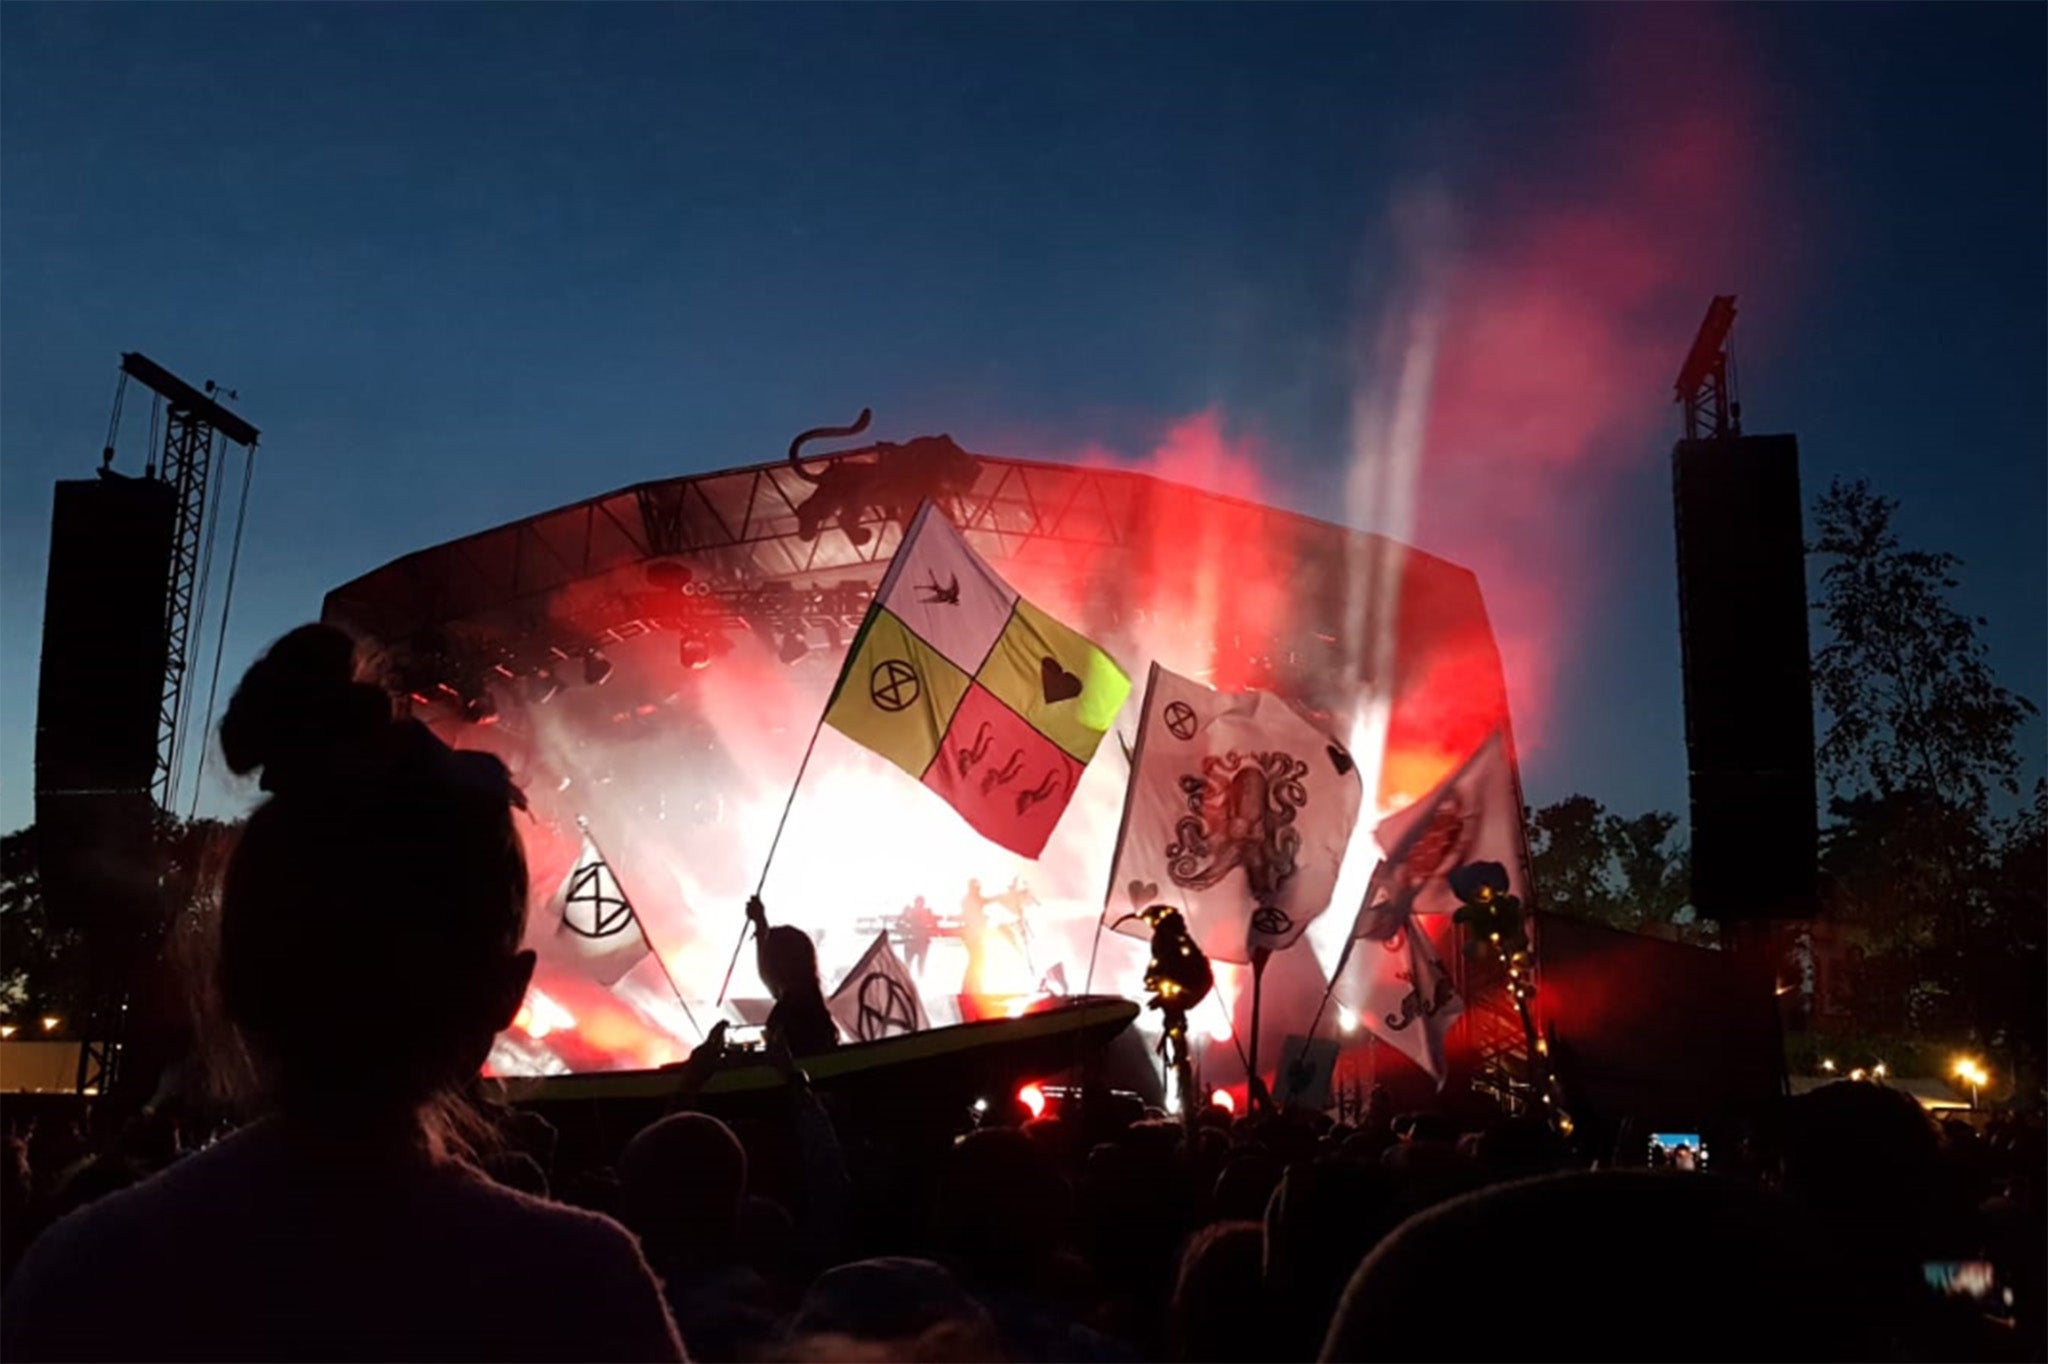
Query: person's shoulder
[
  {"x": 606, "y": 1298},
  {"x": 575, "y": 1235}
]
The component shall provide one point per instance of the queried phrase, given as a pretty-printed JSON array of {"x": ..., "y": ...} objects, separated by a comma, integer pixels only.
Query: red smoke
[{"x": 1564, "y": 319}]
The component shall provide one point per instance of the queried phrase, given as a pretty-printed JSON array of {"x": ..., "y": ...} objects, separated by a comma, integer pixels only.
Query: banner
[
  {"x": 984, "y": 698},
  {"x": 1239, "y": 812}
]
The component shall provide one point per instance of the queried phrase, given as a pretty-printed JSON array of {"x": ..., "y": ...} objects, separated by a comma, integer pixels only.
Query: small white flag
[
  {"x": 878, "y": 998},
  {"x": 1239, "y": 811},
  {"x": 597, "y": 930}
]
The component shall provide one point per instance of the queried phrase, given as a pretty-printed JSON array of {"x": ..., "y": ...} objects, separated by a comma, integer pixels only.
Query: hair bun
[{"x": 299, "y": 708}]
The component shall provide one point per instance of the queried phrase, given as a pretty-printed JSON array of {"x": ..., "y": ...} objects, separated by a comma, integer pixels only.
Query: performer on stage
[
  {"x": 973, "y": 936},
  {"x": 788, "y": 963},
  {"x": 918, "y": 925}
]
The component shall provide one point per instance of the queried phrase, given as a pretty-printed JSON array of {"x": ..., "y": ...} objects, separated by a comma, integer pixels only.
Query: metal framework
[
  {"x": 537, "y": 592},
  {"x": 1705, "y": 384},
  {"x": 191, "y": 420}
]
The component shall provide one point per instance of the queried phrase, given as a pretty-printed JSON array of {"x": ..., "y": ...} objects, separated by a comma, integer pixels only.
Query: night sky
[{"x": 467, "y": 263}]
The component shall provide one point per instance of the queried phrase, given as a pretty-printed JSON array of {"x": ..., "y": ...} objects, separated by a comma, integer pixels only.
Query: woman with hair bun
[{"x": 371, "y": 920}]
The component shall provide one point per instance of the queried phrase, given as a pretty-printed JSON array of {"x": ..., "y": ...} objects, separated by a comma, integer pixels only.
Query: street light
[{"x": 1970, "y": 1073}]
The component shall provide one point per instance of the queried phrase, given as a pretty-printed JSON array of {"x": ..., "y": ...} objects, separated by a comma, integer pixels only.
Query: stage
[{"x": 652, "y": 662}]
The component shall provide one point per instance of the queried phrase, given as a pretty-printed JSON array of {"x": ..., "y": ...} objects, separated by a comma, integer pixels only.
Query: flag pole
[
  {"x": 583, "y": 823},
  {"x": 1260, "y": 956},
  {"x": 1124, "y": 820},
  {"x": 773, "y": 844}
]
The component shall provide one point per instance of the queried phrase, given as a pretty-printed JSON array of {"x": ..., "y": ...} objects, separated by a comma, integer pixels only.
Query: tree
[
  {"x": 1946, "y": 896},
  {"x": 47, "y": 957},
  {"x": 1601, "y": 866},
  {"x": 1902, "y": 677}
]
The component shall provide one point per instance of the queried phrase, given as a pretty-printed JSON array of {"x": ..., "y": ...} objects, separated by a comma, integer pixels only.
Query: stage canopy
[{"x": 653, "y": 662}]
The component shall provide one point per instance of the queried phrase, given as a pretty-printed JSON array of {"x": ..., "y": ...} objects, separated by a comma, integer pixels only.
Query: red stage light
[
  {"x": 1220, "y": 1098},
  {"x": 1033, "y": 1098}
]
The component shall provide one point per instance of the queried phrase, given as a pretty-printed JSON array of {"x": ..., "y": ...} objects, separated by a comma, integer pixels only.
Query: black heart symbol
[
  {"x": 1143, "y": 892},
  {"x": 1340, "y": 760},
  {"x": 1059, "y": 684}
]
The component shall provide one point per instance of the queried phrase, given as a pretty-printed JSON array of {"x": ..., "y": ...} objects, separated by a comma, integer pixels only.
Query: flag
[
  {"x": 1473, "y": 815},
  {"x": 878, "y": 998},
  {"x": 1390, "y": 974},
  {"x": 598, "y": 929},
  {"x": 1393, "y": 979},
  {"x": 1239, "y": 811},
  {"x": 974, "y": 691}
]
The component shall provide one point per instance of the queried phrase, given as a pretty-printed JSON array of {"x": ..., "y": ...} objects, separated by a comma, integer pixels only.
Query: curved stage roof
[{"x": 651, "y": 663}]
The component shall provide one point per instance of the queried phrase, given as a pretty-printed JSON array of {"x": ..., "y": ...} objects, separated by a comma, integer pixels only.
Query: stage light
[
  {"x": 541, "y": 687},
  {"x": 1033, "y": 1098},
  {"x": 1220, "y": 1098},
  {"x": 1879, "y": 1070},
  {"x": 50, "y": 1023},
  {"x": 794, "y": 647},
  {"x": 980, "y": 1107},
  {"x": 480, "y": 709},
  {"x": 1347, "y": 1021},
  {"x": 597, "y": 669},
  {"x": 694, "y": 652},
  {"x": 1828, "y": 1066}
]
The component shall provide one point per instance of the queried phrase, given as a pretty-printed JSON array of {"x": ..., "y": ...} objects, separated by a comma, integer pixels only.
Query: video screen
[{"x": 1677, "y": 1151}]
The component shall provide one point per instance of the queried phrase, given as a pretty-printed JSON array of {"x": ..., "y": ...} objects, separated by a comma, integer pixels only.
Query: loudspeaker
[
  {"x": 103, "y": 637},
  {"x": 1748, "y": 677}
]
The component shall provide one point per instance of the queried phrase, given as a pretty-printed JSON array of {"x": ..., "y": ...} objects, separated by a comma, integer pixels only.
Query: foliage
[
  {"x": 46, "y": 955},
  {"x": 1944, "y": 897},
  {"x": 1906, "y": 685},
  {"x": 1627, "y": 872}
]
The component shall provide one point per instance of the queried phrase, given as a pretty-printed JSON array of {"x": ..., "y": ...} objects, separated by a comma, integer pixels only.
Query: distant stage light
[
  {"x": 597, "y": 669},
  {"x": 1220, "y": 1098},
  {"x": 480, "y": 709},
  {"x": 1033, "y": 1098},
  {"x": 1347, "y": 1021},
  {"x": 794, "y": 647},
  {"x": 694, "y": 652},
  {"x": 541, "y": 687}
]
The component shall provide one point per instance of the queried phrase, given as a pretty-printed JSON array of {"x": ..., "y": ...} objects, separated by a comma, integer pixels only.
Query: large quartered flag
[
  {"x": 878, "y": 998},
  {"x": 597, "y": 929},
  {"x": 1239, "y": 811},
  {"x": 984, "y": 698}
]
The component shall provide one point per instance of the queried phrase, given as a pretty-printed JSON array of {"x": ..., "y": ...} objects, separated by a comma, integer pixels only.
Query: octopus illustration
[{"x": 1240, "y": 813}]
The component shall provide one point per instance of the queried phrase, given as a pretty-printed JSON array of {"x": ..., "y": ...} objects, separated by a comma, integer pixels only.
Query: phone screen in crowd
[
  {"x": 1677, "y": 1151},
  {"x": 1972, "y": 1279}
]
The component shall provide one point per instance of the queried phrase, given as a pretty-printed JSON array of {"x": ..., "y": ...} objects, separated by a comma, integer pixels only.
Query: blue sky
[{"x": 464, "y": 263}]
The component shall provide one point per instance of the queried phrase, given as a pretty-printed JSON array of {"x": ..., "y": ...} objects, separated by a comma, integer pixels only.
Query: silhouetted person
[
  {"x": 682, "y": 1182},
  {"x": 1624, "y": 1265},
  {"x": 1218, "y": 1312},
  {"x": 788, "y": 964},
  {"x": 370, "y": 924}
]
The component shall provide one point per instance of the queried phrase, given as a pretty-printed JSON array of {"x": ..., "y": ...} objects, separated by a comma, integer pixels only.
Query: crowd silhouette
[{"x": 372, "y": 1206}]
